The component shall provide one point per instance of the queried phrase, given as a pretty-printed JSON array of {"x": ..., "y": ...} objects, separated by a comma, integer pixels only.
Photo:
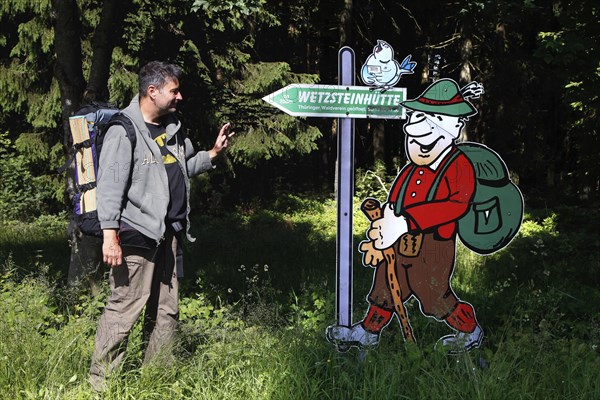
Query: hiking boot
[
  {"x": 355, "y": 335},
  {"x": 462, "y": 342}
]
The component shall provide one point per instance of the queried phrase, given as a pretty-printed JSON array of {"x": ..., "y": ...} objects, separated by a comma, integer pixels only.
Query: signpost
[
  {"x": 345, "y": 102},
  {"x": 339, "y": 101}
]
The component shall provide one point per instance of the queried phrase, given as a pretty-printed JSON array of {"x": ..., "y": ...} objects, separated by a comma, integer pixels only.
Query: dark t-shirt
[
  {"x": 177, "y": 205},
  {"x": 177, "y": 209}
]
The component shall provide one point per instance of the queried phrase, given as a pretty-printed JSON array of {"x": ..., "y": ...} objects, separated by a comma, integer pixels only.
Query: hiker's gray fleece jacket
[{"x": 139, "y": 196}]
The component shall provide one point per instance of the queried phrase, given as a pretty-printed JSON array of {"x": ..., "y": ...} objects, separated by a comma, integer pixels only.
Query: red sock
[
  {"x": 462, "y": 318},
  {"x": 376, "y": 319}
]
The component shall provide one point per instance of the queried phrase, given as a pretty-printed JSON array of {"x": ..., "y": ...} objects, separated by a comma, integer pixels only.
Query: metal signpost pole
[{"x": 345, "y": 193}]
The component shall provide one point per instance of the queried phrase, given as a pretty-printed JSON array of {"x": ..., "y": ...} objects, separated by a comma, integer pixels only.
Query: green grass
[{"x": 260, "y": 293}]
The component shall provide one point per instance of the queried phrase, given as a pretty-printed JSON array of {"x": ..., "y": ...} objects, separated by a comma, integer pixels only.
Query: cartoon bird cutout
[{"x": 382, "y": 70}]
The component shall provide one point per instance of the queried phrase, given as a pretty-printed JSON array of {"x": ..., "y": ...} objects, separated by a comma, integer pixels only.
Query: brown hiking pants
[
  {"x": 147, "y": 278},
  {"x": 426, "y": 277}
]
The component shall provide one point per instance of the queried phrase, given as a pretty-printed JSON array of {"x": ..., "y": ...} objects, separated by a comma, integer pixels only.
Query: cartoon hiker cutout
[{"x": 447, "y": 189}]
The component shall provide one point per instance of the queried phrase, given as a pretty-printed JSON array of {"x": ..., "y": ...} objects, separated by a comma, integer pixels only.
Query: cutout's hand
[
  {"x": 371, "y": 256},
  {"x": 386, "y": 230}
]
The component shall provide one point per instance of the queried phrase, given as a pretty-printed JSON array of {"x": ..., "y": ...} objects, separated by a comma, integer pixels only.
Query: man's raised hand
[{"x": 222, "y": 141}]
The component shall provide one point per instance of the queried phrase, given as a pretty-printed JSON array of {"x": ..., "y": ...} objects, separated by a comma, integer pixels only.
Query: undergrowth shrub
[
  {"x": 375, "y": 182},
  {"x": 44, "y": 350},
  {"x": 29, "y": 187}
]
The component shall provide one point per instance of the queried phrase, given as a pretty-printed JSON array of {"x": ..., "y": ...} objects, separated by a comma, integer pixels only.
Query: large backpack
[
  {"x": 496, "y": 211},
  {"x": 88, "y": 128}
]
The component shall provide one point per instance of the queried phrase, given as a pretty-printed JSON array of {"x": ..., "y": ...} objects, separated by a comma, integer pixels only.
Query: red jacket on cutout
[{"x": 451, "y": 201}]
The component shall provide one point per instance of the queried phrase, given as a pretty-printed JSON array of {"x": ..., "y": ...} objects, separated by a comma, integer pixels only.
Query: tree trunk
[
  {"x": 346, "y": 24},
  {"x": 105, "y": 37},
  {"x": 378, "y": 127},
  {"x": 466, "y": 50},
  {"x": 86, "y": 255},
  {"x": 68, "y": 70}
]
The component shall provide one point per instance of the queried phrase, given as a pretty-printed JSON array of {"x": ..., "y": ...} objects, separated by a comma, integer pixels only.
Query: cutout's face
[{"x": 428, "y": 135}]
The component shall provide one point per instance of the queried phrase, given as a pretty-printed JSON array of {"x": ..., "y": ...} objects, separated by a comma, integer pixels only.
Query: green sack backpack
[{"x": 496, "y": 211}]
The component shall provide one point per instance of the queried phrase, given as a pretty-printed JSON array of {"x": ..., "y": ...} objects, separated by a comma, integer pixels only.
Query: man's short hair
[{"x": 157, "y": 74}]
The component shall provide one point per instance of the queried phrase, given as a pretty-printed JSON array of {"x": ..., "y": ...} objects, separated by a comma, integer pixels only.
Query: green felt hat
[{"x": 442, "y": 97}]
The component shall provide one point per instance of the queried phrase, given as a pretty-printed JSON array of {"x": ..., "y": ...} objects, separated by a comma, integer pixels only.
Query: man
[
  {"x": 435, "y": 121},
  {"x": 143, "y": 206}
]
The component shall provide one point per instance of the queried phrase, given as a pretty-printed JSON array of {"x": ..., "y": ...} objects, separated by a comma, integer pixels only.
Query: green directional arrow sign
[{"x": 305, "y": 100}]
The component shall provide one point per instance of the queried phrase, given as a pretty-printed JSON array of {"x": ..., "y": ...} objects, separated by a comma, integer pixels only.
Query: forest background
[{"x": 539, "y": 62}]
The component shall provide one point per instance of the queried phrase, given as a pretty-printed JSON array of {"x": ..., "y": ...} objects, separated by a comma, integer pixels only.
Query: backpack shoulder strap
[
  {"x": 123, "y": 120},
  {"x": 442, "y": 171}
]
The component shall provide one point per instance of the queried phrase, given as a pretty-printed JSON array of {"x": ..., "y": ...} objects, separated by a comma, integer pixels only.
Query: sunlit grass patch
[{"x": 263, "y": 338}]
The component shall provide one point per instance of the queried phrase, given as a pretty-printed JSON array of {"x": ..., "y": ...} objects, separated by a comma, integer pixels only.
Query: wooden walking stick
[{"x": 372, "y": 209}]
